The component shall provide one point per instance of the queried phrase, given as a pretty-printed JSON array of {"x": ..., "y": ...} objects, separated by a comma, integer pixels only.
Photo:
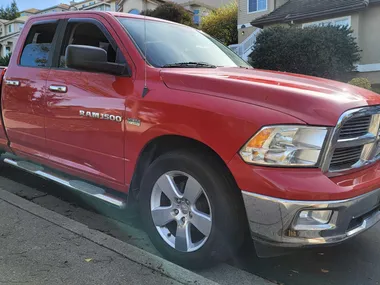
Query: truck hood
[{"x": 315, "y": 101}]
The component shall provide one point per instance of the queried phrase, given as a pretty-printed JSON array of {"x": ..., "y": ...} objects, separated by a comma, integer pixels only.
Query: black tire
[{"x": 228, "y": 222}]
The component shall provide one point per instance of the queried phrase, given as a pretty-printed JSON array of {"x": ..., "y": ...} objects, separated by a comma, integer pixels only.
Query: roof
[
  {"x": 294, "y": 10},
  {"x": 7, "y": 37},
  {"x": 198, "y": 3},
  {"x": 62, "y": 6},
  {"x": 31, "y": 11},
  {"x": 21, "y": 19}
]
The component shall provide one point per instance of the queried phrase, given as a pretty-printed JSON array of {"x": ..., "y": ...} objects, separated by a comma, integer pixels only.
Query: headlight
[{"x": 285, "y": 146}]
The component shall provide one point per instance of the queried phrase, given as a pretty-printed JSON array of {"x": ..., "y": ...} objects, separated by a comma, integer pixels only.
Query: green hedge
[
  {"x": 361, "y": 82},
  {"x": 221, "y": 24},
  {"x": 4, "y": 60},
  {"x": 318, "y": 51}
]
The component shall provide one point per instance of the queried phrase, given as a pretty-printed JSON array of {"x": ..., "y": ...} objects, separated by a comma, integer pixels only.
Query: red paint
[
  {"x": 303, "y": 184},
  {"x": 221, "y": 108}
]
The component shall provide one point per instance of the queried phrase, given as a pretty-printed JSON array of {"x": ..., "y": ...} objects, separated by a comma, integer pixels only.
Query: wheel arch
[{"x": 163, "y": 144}]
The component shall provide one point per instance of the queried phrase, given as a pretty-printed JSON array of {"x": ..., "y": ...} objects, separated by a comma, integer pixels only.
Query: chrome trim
[
  {"x": 60, "y": 89},
  {"x": 88, "y": 189},
  {"x": 357, "y": 141},
  {"x": 372, "y": 137},
  {"x": 12, "y": 82},
  {"x": 272, "y": 220}
]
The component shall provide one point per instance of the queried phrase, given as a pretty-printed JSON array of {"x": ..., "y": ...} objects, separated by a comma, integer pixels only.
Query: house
[
  {"x": 202, "y": 8},
  {"x": 94, "y": 5},
  {"x": 363, "y": 16},
  {"x": 136, "y": 6},
  {"x": 10, "y": 30},
  {"x": 9, "y": 33},
  {"x": 198, "y": 8}
]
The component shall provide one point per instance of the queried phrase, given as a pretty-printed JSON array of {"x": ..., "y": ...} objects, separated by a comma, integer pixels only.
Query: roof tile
[{"x": 302, "y": 9}]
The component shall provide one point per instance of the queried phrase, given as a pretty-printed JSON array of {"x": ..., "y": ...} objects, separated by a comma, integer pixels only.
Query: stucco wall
[
  {"x": 247, "y": 32},
  {"x": 369, "y": 35},
  {"x": 137, "y": 4},
  {"x": 244, "y": 17}
]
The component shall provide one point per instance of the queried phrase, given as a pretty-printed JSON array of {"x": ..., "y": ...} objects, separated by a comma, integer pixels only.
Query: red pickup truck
[{"x": 131, "y": 109}]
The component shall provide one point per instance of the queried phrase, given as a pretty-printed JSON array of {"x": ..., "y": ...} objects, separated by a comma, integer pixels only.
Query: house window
[
  {"x": 134, "y": 11},
  {"x": 346, "y": 21},
  {"x": 257, "y": 5},
  {"x": 10, "y": 28}
]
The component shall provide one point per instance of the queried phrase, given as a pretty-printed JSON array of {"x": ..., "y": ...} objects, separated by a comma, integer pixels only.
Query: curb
[{"x": 130, "y": 252}]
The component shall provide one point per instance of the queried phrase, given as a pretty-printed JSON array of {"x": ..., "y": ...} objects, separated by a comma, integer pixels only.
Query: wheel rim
[{"x": 181, "y": 211}]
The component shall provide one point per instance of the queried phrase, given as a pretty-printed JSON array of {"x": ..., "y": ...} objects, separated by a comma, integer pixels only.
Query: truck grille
[
  {"x": 345, "y": 157},
  {"x": 355, "y": 127},
  {"x": 355, "y": 141}
]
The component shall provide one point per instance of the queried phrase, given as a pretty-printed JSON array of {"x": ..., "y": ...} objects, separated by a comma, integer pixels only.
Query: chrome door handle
[
  {"x": 12, "y": 82},
  {"x": 56, "y": 88}
]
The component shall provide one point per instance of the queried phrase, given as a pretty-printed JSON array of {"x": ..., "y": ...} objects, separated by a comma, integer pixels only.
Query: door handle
[
  {"x": 56, "y": 88},
  {"x": 12, "y": 82}
]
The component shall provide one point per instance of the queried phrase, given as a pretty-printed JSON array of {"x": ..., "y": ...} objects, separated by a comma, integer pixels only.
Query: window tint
[
  {"x": 88, "y": 34},
  {"x": 38, "y": 45},
  {"x": 169, "y": 43}
]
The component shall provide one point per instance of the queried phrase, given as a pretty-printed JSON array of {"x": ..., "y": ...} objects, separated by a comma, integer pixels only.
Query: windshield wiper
[{"x": 190, "y": 64}]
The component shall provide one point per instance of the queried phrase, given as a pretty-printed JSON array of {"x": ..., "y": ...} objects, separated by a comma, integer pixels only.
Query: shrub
[
  {"x": 172, "y": 12},
  {"x": 4, "y": 60},
  {"x": 318, "y": 51},
  {"x": 221, "y": 24},
  {"x": 361, "y": 82}
]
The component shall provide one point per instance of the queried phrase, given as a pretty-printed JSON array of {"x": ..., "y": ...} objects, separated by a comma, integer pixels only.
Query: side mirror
[{"x": 90, "y": 58}]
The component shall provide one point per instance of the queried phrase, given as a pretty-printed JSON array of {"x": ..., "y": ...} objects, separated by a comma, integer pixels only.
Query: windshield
[{"x": 173, "y": 45}]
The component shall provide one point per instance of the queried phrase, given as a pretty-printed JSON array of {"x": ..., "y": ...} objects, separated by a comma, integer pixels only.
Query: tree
[
  {"x": 172, "y": 12},
  {"x": 327, "y": 52},
  {"x": 11, "y": 12},
  {"x": 4, "y": 61},
  {"x": 221, "y": 24}
]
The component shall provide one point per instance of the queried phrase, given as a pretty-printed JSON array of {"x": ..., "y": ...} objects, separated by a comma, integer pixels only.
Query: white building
[{"x": 10, "y": 30}]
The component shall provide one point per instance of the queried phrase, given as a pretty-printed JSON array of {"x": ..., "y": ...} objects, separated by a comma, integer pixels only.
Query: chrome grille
[
  {"x": 355, "y": 141},
  {"x": 355, "y": 127},
  {"x": 345, "y": 157}
]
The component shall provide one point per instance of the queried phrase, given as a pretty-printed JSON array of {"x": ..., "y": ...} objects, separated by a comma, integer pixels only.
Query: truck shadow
[{"x": 353, "y": 262}]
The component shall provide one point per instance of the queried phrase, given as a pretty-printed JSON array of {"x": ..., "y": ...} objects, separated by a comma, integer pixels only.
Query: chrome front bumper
[{"x": 273, "y": 220}]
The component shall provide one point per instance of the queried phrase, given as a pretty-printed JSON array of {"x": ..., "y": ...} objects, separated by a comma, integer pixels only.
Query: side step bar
[{"x": 78, "y": 185}]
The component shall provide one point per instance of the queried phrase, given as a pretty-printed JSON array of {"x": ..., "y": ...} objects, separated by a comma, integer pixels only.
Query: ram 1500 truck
[{"x": 131, "y": 109}]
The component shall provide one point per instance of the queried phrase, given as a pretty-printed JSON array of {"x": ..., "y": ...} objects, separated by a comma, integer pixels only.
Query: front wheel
[{"x": 190, "y": 209}]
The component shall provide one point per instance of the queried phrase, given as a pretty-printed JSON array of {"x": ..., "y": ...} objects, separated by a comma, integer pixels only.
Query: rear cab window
[{"x": 38, "y": 46}]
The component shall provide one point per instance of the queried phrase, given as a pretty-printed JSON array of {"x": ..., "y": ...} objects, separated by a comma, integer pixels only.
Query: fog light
[{"x": 314, "y": 217}]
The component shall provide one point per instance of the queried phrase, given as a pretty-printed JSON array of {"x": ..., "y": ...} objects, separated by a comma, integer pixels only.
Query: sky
[{"x": 38, "y": 4}]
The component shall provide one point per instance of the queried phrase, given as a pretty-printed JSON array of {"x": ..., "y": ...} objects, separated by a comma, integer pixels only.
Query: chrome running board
[{"x": 77, "y": 185}]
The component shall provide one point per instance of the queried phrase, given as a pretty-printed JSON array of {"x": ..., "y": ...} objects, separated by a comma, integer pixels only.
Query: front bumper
[{"x": 273, "y": 220}]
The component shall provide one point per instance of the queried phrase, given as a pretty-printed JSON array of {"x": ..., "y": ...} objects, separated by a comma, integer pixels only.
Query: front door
[
  {"x": 25, "y": 89},
  {"x": 86, "y": 110}
]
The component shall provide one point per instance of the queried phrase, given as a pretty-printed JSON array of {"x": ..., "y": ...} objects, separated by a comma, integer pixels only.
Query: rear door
[
  {"x": 78, "y": 135},
  {"x": 24, "y": 88}
]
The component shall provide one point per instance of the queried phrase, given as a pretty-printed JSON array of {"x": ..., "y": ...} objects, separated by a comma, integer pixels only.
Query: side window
[
  {"x": 38, "y": 45},
  {"x": 88, "y": 34}
]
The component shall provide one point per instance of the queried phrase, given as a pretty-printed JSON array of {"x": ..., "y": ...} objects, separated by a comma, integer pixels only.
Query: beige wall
[
  {"x": 369, "y": 35},
  {"x": 247, "y": 32},
  {"x": 244, "y": 17},
  {"x": 137, "y": 4}
]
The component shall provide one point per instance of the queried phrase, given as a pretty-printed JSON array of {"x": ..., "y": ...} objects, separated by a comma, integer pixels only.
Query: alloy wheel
[{"x": 181, "y": 211}]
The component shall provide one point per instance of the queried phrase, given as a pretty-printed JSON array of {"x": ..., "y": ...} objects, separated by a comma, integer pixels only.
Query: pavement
[
  {"x": 354, "y": 262},
  {"x": 38, "y": 246}
]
